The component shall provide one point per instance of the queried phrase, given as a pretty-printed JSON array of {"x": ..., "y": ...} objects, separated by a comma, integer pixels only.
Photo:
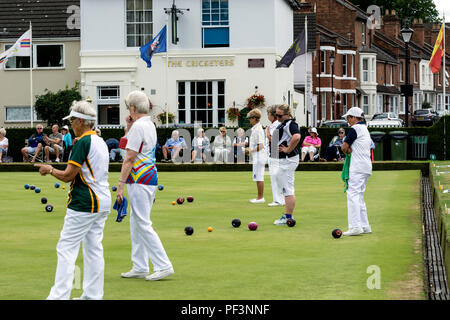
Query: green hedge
[
  {"x": 17, "y": 136},
  {"x": 423, "y": 166}
]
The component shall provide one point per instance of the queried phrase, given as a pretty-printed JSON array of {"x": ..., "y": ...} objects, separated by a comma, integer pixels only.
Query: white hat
[
  {"x": 355, "y": 112},
  {"x": 314, "y": 130},
  {"x": 74, "y": 114},
  {"x": 65, "y": 128}
]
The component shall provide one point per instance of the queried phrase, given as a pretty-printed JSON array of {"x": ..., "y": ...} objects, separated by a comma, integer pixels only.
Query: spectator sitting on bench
[
  {"x": 54, "y": 144},
  {"x": 311, "y": 144},
  {"x": 35, "y": 144},
  {"x": 174, "y": 146},
  {"x": 334, "y": 152}
]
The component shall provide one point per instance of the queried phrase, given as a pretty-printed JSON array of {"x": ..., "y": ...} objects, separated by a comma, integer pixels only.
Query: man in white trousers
[
  {"x": 277, "y": 193},
  {"x": 140, "y": 175},
  {"x": 89, "y": 203},
  {"x": 357, "y": 143}
]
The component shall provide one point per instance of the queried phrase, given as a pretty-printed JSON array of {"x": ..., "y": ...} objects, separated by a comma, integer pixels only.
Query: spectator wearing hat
[
  {"x": 357, "y": 143},
  {"x": 257, "y": 152},
  {"x": 334, "y": 148},
  {"x": 311, "y": 144}
]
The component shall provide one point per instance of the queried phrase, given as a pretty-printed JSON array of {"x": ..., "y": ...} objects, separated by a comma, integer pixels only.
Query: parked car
[
  {"x": 424, "y": 117},
  {"x": 386, "y": 116},
  {"x": 334, "y": 123},
  {"x": 385, "y": 123}
]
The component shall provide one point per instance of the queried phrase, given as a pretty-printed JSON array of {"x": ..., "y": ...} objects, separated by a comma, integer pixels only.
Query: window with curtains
[
  {"x": 366, "y": 104},
  {"x": 139, "y": 22},
  {"x": 323, "y": 101},
  {"x": 215, "y": 24}
]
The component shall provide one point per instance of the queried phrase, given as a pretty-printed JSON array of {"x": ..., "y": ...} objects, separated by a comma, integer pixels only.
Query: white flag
[{"x": 21, "y": 48}]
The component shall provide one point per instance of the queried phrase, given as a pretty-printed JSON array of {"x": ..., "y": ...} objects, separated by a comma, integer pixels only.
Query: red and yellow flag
[{"x": 438, "y": 52}]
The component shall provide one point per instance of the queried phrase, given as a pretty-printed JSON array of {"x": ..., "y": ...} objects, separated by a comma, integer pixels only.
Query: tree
[
  {"x": 406, "y": 9},
  {"x": 52, "y": 107}
]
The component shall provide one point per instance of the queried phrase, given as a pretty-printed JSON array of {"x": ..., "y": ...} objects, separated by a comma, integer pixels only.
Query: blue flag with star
[
  {"x": 297, "y": 48},
  {"x": 158, "y": 44}
]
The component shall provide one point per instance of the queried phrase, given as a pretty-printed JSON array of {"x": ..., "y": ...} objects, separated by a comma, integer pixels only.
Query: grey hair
[
  {"x": 240, "y": 130},
  {"x": 3, "y": 131},
  {"x": 199, "y": 131},
  {"x": 139, "y": 100},
  {"x": 86, "y": 108},
  {"x": 176, "y": 131},
  {"x": 272, "y": 110}
]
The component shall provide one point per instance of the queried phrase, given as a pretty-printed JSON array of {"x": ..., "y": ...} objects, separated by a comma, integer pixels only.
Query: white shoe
[
  {"x": 158, "y": 275},
  {"x": 275, "y": 204},
  {"x": 134, "y": 274},
  {"x": 258, "y": 200},
  {"x": 281, "y": 222},
  {"x": 353, "y": 232},
  {"x": 367, "y": 230},
  {"x": 57, "y": 160}
]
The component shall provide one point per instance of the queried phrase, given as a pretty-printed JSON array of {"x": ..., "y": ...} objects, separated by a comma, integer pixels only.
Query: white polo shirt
[{"x": 359, "y": 139}]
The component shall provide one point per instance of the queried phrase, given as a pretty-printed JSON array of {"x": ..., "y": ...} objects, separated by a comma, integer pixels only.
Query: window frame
[
  {"x": 35, "y": 115},
  {"x": 209, "y": 24},
  {"x": 34, "y": 53},
  {"x": 134, "y": 22}
]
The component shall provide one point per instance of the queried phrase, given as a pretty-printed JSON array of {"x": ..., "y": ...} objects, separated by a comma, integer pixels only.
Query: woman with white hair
[
  {"x": 200, "y": 144},
  {"x": 140, "y": 175},
  {"x": 3, "y": 143},
  {"x": 89, "y": 203},
  {"x": 222, "y": 146}
]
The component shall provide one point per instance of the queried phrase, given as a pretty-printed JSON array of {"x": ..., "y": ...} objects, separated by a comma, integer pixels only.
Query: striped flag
[
  {"x": 438, "y": 52},
  {"x": 21, "y": 48}
]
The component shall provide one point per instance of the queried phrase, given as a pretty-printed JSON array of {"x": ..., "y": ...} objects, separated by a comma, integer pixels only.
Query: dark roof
[
  {"x": 388, "y": 89},
  {"x": 327, "y": 36},
  {"x": 384, "y": 56},
  {"x": 299, "y": 25},
  {"x": 48, "y": 18}
]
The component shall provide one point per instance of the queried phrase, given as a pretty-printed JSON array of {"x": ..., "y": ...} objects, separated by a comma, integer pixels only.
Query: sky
[{"x": 443, "y": 6}]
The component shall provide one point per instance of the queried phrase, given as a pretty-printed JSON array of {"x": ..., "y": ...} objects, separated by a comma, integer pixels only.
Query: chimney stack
[
  {"x": 419, "y": 32},
  {"x": 391, "y": 24}
]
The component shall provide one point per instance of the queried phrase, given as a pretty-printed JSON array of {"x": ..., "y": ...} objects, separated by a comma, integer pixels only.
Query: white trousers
[
  {"x": 357, "y": 211},
  {"x": 277, "y": 192},
  {"x": 80, "y": 227},
  {"x": 284, "y": 174},
  {"x": 221, "y": 154},
  {"x": 145, "y": 242}
]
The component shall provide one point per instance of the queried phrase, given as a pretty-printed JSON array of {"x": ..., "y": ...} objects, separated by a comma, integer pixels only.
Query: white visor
[{"x": 74, "y": 114}]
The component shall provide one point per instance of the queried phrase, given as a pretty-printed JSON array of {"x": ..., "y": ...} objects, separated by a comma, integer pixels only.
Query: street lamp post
[
  {"x": 406, "y": 33},
  {"x": 332, "y": 85}
]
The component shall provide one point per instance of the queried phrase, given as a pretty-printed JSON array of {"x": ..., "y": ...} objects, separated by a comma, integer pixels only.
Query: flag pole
[
  {"x": 167, "y": 73},
  {"x": 31, "y": 75},
  {"x": 445, "y": 107},
  {"x": 306, "y": 69}
]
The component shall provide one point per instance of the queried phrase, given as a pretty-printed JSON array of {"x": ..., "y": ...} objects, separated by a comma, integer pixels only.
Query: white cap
[
  {"x": 74, "y": 114},
  {"x": 355, "y": 112},
  {"x": 65, "y": 128},
  {"x": 314, "y": 130}
]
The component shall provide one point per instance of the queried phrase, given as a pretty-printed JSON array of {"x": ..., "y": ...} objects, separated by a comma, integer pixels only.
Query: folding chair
[{"x": 39, "y": 157}]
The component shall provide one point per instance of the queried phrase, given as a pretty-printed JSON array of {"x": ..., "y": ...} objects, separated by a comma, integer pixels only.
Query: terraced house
[{"x": 55, "y": 54}]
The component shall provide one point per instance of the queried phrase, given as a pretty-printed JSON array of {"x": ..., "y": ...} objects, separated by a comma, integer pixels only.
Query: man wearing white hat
[
  {"x": 357, "y": 143},
  {"x": 88, "y": 206}
]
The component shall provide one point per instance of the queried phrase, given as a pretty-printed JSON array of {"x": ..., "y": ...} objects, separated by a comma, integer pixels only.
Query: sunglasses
[
  {"x": 40, "y": 128},
  {"x": 279, "y": 115},
  {"x": 72, "y": 120}
]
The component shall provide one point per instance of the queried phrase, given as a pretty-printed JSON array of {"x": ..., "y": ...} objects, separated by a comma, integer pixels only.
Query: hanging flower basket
[
  {"x": 162, "y": 117},
  {"x": 255, "y": 101},
  {"x": 233, "y": 114}
]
